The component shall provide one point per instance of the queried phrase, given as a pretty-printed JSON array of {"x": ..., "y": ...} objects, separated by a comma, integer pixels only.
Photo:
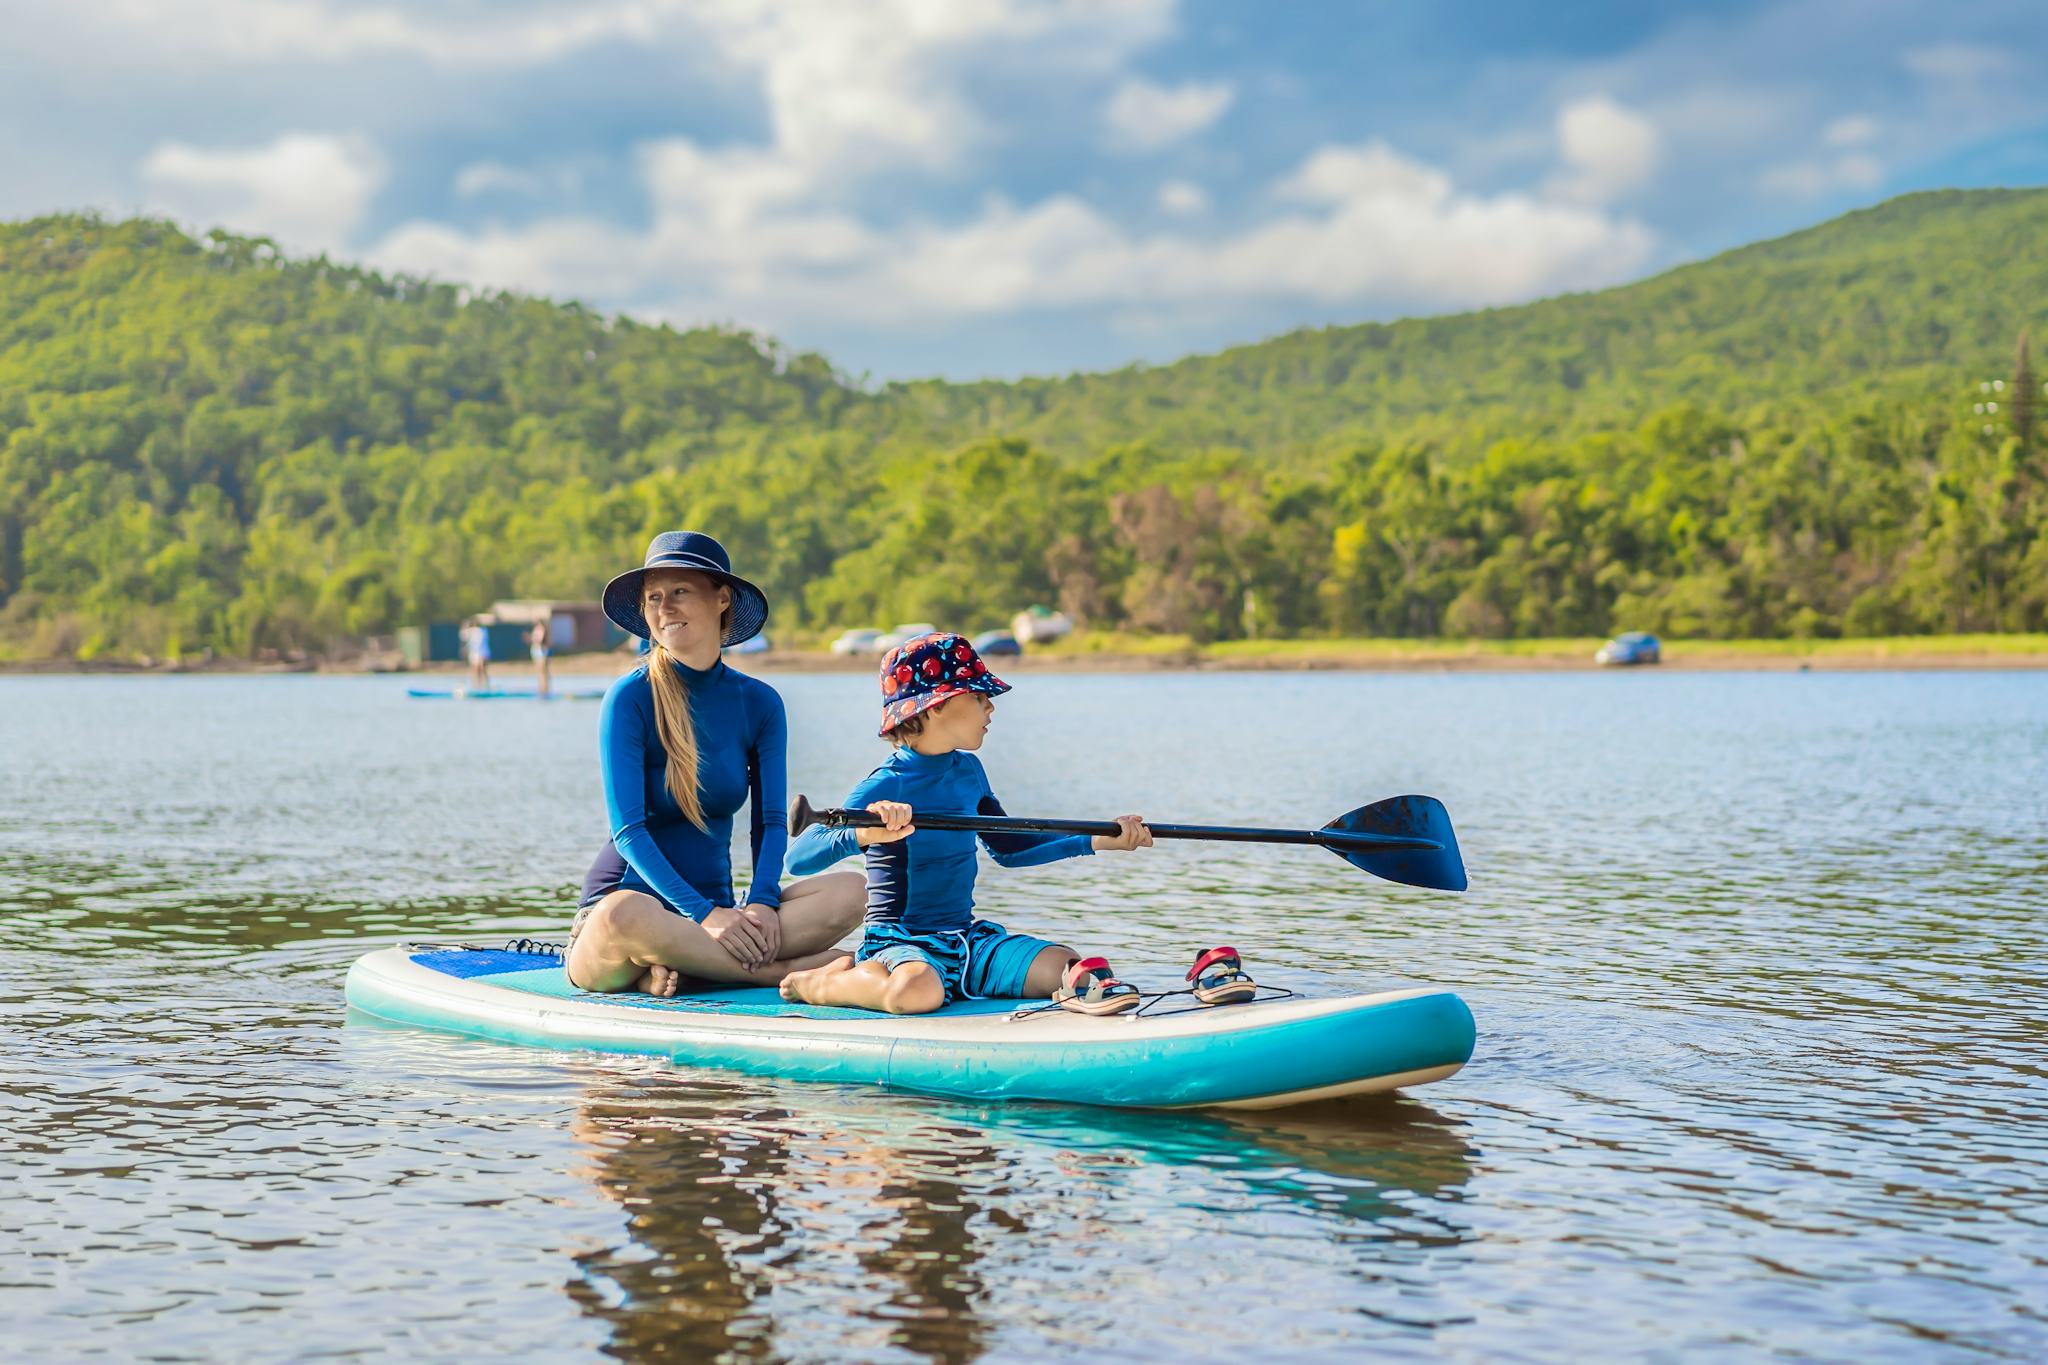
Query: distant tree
[{"x": 2024, "y": 395}]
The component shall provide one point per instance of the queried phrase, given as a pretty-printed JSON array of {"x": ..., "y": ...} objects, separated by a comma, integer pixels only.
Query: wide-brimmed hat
[
  {"x": 698, "y": 552},
  {"x": 925, "y": 670}
]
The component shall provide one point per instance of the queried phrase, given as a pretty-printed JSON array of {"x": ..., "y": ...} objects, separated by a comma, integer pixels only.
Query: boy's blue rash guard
[
  {"x": 742, "y": 750},
  {"x": 926, "y": 882}
]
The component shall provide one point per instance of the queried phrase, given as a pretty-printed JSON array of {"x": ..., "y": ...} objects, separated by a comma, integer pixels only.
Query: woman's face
[{"x": 684, "y": 609}]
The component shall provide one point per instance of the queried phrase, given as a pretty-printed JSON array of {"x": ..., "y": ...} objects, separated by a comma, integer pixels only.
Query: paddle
[{"x": 1404, "y": 839}]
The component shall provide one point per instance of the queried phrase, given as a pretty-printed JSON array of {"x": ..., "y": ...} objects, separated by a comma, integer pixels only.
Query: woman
[
  {"x": 537, "y": 642},
  {"x": 683, "y": 742}
]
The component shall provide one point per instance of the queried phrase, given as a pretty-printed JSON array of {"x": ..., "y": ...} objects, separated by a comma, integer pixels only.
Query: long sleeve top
[
  {"x": 742, "y": 751},
  {"x": 926, "y": 883}
]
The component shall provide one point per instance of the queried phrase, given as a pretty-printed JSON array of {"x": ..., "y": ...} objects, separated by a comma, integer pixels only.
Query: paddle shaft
[{"x": 839, "y": 818}]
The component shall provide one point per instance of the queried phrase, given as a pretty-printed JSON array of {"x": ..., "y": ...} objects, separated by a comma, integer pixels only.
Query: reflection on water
[
  {"x": 1756, "y": 962},
  {"x": 879, "y": 1226}
]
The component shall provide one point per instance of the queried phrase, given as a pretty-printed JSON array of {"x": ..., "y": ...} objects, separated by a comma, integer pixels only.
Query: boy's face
[{"x": 958, "y": 722}]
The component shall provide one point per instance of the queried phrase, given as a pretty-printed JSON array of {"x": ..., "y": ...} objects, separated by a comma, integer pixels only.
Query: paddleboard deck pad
[{"x": 1258, "y": 1055}]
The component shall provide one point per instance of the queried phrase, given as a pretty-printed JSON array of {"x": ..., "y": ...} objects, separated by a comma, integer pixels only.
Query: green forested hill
[
  {"x": 203, "y": 444},
  {"x": 1892, "y": 299}
]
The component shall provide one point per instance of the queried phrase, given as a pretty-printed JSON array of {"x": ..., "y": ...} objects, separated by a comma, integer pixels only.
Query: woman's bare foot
[
  {"x": 659, "y": 980},
  {"x": 793, "y": 985}
]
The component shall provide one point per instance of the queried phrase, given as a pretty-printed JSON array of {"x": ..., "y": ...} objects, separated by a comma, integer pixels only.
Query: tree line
[{"x": 205, "y": 445}]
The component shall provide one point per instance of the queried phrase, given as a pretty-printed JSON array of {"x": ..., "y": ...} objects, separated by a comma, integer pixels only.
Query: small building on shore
[{"x": 573, "y": 628}]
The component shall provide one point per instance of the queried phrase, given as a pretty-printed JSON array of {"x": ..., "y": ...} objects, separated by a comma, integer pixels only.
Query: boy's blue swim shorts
[{"x": 983, "y": 961}]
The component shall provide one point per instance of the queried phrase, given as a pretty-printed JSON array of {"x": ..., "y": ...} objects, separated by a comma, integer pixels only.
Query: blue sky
[{"x": 1002, "y": 187}]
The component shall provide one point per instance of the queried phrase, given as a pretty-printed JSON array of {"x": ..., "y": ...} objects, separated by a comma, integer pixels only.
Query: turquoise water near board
[{"x": 1757, "y": 961}]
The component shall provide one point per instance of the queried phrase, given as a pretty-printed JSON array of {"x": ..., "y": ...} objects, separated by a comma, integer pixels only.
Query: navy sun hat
[
  {"x": 922, "y": 672},
  {"x": 698, "y": 552}
]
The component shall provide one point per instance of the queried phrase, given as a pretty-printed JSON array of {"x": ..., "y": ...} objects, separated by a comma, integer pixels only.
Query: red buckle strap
[
  {"x": 1210, "y": 959},
  {"x": 1084, "y": 966}
]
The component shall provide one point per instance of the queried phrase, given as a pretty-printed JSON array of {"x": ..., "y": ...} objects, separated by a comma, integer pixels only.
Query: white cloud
[
  {"x": 1816, "y": 176},
  {"x": 854, "y": 88},
  {"x": 1849, "y": 131},
  {"x": 1843, "y": 161},
  {"x": 1959, "y": 62},
  {"x": 733, "y": 237},
  {"x": 1183, "y": 198},
  {"x": 1144, "y": 117},
  {"x": 1400, "y": 231},
  {"x": 851, "y": 90},
  {"x": 495, "y": 177},
  {"x": 849, "y": 84},
  {"x": 1608, "y": 150},
  {"x": 1714, "y": 119},
  {"x": 308, "y": 190},
  {"x": 1341, "y": 175},
  {"x": 264, "y": 31}
]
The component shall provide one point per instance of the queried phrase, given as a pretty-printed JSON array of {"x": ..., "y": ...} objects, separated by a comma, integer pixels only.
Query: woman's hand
[
  {"x": 1135, "y": 835},
  {"x": 895, "y": 825},
  {"x": 767, "y": 921},
  {"x": 738, "y": 935}
]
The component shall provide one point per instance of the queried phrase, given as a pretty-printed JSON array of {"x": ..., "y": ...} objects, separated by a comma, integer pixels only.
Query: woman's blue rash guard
[
  {"x": 742, "y": 750},
  {"x": 926, "y": 883}
]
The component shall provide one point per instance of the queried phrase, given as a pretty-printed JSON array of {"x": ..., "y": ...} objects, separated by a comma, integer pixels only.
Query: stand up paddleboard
[
  {"x": 1259, "y": 1055},
  {"x": 498, "y": 694}
]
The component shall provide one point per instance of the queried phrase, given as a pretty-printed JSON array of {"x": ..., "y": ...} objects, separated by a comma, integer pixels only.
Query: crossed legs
[{"x": 631, "y": 941}]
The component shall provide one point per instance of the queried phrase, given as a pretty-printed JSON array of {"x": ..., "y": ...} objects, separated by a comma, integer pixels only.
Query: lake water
[{"x": 1759, "y": 962}]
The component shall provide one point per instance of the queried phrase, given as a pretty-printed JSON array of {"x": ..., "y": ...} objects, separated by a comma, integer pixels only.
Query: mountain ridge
[{"x": 204, "y": 444}]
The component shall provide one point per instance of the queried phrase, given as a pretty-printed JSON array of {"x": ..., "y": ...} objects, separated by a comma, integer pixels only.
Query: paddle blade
[{"x": 1405, "y": 817}]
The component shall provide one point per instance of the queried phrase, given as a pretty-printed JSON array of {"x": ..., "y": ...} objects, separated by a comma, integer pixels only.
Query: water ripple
[{"x": 1756, "y": 962}]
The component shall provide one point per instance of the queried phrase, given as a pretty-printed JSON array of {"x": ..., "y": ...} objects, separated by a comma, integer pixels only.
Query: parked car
[
  {"x": 757, "y": 644},
  {"x": 857, "y": 642},
  {"x": 1636, "y": 647},
  {"x": 902, "y": 633},
  {"x": 1036, "y": 624},
  {"x": 996, "y": 642}
]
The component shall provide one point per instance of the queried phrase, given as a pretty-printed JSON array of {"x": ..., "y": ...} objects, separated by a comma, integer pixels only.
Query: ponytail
[{"x": 678, "y": 734}]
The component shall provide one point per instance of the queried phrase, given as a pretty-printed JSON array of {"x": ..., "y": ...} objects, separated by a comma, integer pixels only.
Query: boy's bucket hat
[
  {"x": 925, "y": 670},
  {"x": 687, "y": 550}
]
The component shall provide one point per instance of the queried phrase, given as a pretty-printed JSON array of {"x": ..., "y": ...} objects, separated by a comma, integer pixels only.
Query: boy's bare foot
[
  {"x": 793, "y": 985},
  {"x": 659, "y": 980}
]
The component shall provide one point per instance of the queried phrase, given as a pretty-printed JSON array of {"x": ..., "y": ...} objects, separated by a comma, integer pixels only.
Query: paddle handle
[{"x": 839, "y": 818}]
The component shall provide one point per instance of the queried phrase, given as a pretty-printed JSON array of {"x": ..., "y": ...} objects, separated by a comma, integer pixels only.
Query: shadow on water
[{"x": 892, "y": 1224}]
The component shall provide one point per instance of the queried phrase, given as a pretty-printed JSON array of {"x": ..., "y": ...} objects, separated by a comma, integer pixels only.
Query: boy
[{"x": 922, "y": 945}]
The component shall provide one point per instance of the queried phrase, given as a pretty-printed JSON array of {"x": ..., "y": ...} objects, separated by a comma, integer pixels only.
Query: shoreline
[{"x": 1123, "y": 655}]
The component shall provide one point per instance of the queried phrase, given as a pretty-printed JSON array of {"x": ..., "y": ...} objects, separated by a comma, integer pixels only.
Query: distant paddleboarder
[
  {"x": 537, "y": 640},
  {"x": 478, "y": 646}
]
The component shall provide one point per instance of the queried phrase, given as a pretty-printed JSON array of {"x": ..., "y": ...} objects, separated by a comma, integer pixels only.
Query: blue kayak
[
  {"x": 1257, "y": 1055},
  {"x": 500, "y": 694}
]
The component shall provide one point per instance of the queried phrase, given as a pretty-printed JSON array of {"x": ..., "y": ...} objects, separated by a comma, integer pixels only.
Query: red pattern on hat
[{"x": 919, "y": 674}]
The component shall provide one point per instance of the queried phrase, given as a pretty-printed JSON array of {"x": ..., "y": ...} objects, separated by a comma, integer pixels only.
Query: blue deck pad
[
  {"x": 533, "y": 974},
  {"x": 467, "y": 962}
]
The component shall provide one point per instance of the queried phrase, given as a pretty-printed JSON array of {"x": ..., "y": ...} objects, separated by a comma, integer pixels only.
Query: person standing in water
[
  {"x": 683, "y": 743},
  {"x": 479, "y": 643},
  {"x": 537, "y": 640}
]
